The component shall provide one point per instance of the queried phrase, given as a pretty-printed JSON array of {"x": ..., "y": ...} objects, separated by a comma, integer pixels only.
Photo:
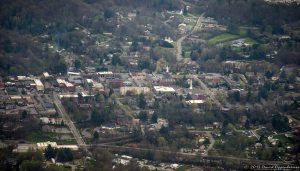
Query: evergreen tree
[
  {"x": 154, "y": 117},
  {"x": 50, "y": 152},
  {"x": 143, "y": 116},
  {"x": 185, "y": 11},
  {"x": 96, "y": 135},
  {"x": 142, "y": 101}
]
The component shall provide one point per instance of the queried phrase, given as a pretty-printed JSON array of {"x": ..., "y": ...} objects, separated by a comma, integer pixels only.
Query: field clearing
[
  {"x": 222, "y": 38},
  {"x": 282, "y": 138},
  {"x": 40, "y": 136},
  {"x": 250, "y": 41},
  {"x": 187, "y": 54}
]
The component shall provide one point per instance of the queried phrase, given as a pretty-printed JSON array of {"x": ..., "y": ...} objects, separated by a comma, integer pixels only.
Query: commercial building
[
  {"x": 135, "y": 90},
  {"x": 39, "y": 85},
  {"x": 164, "y": 89}
]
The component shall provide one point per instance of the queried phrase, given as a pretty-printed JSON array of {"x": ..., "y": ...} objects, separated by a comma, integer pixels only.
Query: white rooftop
[
  {"x": 73, "y": 73},
  {"x": 164, "y": 89},
  {"x": 89, "y": 81},
  {"x": 38, "y": 82},
  {"x": 195, "y": 101},
  {"x": 104, "y": 72}
]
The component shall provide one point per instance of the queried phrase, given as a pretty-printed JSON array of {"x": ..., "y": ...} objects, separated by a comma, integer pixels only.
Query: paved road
[
  {"x": 212, "y": 142},
  {"x": 124, "y": 109},
  {"x": 179, "y": 48},
  {"x": 69, "y": 123},
  {"x": 207, "y": 90},
  {"x": 179, "y": 41}
]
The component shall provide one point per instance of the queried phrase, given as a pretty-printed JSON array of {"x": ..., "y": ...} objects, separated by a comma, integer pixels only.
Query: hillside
[{"x": 27, "y": 28}]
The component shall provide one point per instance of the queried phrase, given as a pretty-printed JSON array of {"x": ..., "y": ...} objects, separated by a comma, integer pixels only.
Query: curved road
[{"x": 179, "y": 41}]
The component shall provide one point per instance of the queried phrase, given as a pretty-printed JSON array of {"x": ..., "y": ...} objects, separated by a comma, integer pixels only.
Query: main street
[
  {"x": 207, "y": 90},
  {"x": 69, "y": 123},
  {"x": 126, "y": 111}
]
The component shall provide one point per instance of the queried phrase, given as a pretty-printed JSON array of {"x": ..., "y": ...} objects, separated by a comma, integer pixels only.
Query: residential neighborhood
[{"x": 157, "y": 86}]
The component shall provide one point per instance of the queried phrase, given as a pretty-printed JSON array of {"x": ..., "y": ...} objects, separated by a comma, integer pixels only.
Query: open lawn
[
  {"x": 282, "y": 138},
  {"x": 222, "y": 38},
  {"x": 187, "y": 54},
  {"x": 250, "y": 41},
  {"x": 226, "y": 37},
  {"x": 40, "y": 136},
  {"x": 243, "y": 31}
]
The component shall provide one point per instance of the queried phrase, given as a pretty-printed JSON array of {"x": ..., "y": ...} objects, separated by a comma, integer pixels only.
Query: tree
[
  {"x": 96, "y": 135},
  {"x": 142, "y": 101},
  {"x": 280, "y": 123},
  {"x": 137, "y": 134},
  {"x": 269, "y": 74},
  {"x": 111, "y": 91},
  {"x": 99, "y": 97},
  {"x": 185, "y": 11},
  {"x": 195, "y": 55},
  {"x": 62, "y": 123},
  {"x": 249, "y": 94},
  {"x": 115, "y": 60},
  {"x": 247, "y": 124},
  {"x": 77, "y": 64},
  {"x": 134, "y": 46},
  {"x": 206, "y": 141},
  {"x": 233, "y": 28},
  {"x": 162, "y": 141},
  {"x": 108, "y": 13},
  {"x": 209, "y": 117},
  {"x": 263, "y": 93},
  {"x": 97, "y": 117},
  {"x": 143, "y": 116},
  {"x": 236, "y": 96},
  {"x": 151, "y": 137},
  {"x": 24, "y": 114},
  {"x": 31, "y": 154},
  {"x": 164, "y": 130},
  {"x": 103, "y": 161},
  {"x": 64, "y": 155},
  {"x": 258, "y": 52},
  {"x": 165, "y": 44},
  {"x": 154, "y": 117},
  {"x": 265, "y": 154},
  {"x": 60, "y": 67},
  {"x": 50, "y": 152},
  {"x": 53, "y": 167},
  {"x": 144, "y": 63},
  {"x": 28, "y": 165},
  {"x": 283, "y": 75}
]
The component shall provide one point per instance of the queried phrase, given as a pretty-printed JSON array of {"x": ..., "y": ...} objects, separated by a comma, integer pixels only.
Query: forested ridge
[
  {"x": 252, "y": 12},
  {"x": 22, "y": 22}
]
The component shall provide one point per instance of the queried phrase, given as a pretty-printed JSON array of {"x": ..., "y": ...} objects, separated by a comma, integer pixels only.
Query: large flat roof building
[
  {"x": 39, "y": 85},
  {"x": 164, "y": 89}
]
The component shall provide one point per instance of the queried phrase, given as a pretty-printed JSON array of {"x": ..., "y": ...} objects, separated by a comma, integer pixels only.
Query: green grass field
[
  {"x": 222, "y": 38},
  {"x": 187, "y": 54},
  {"x": 243, "y": 31},
  {"x": 40, "y": 136},
  {"x": 250, "y": 41},
  {"x": 282, "y": 138},
  {"x": 226, "y": 37}
]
